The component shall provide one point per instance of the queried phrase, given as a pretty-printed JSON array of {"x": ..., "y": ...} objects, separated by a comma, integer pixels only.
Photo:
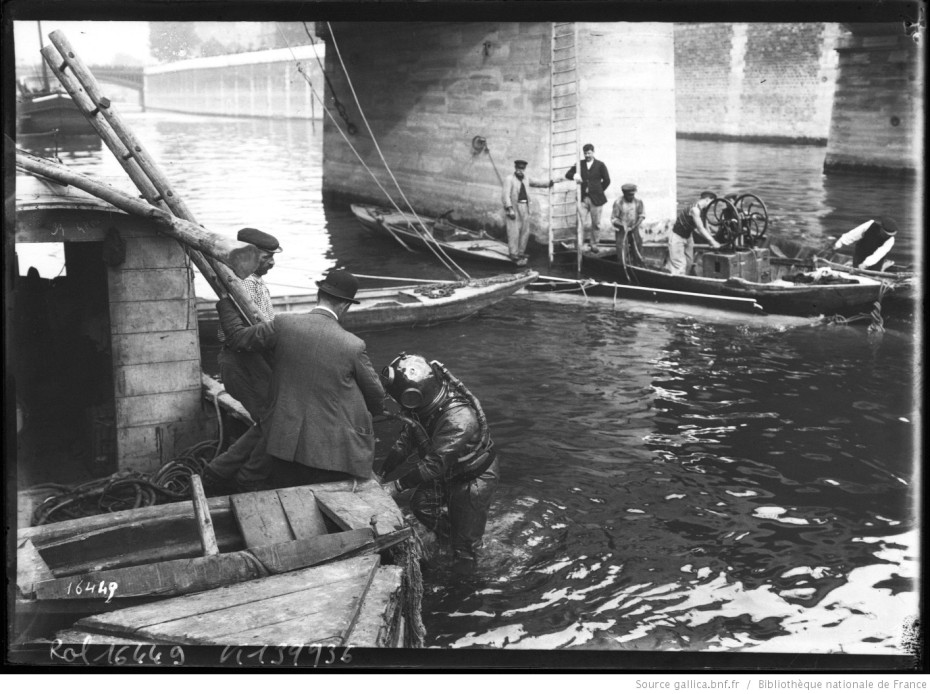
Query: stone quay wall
[
  {"x": 755, "y": 82},
  {"x": 263, "y": 84},
  {"x": 449, "y": 83}
]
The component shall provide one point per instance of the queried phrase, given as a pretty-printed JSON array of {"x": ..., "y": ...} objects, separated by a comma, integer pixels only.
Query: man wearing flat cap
[
  {"x": 874, "y": 239},
  {"x": 517, "y": 209},
  {"x": 591, "y": 174},
  {"x": 246, "y": 376},
  {"x": 317, "y": 426},
  {"x": 627, "y": 214}
]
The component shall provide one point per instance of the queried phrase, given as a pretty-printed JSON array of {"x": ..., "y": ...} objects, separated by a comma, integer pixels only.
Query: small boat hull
[
  {"x": 51, "y": 112},
  {"x": 456, "y": 241},
  {"x": 397, "y": 307},
  {"x": 778, "y": 296}
]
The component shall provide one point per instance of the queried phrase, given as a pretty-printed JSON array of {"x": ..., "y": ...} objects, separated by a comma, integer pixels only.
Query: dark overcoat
[{"x": 323, "y": 389}]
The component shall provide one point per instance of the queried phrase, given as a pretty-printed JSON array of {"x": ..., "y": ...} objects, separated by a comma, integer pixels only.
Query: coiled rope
[{"x": 126, "y": 489}]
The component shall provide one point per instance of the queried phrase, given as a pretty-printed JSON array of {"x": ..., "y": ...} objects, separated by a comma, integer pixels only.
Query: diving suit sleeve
[{"x": 449, "y": 440}]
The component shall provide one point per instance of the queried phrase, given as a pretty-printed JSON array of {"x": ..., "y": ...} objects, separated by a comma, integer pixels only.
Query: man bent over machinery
[{"x": 444, "y": 451}]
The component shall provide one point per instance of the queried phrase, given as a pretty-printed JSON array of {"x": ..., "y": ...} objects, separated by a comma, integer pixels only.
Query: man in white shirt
[{"x": 873, "y": 241}]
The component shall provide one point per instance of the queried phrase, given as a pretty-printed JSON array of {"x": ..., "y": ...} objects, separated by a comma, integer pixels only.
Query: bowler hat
[
  {"x": 519, "y": 163},
  {"x": 889, "y": 225},
  {"x": 340, "y": 284},
  {"x": 260, "y": 239},
  {"x": 628, "y": 188}
]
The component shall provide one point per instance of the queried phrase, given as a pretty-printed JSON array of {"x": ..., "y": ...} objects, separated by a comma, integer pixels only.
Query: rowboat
[
  {"x": 395, "y": 307},
  {"x": 456, "y": 241},
  {"x": 148, "y": 573},
  {"x": 778, "y": 285}
]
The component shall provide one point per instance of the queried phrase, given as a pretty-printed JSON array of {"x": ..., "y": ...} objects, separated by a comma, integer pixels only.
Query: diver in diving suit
[{"x": 444, "y": 452}]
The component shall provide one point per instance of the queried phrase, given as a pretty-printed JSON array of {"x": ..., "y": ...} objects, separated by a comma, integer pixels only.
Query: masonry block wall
[
  {"x": 264, "y": 84},
  {"x": 767, "y": 82},
  {"x": 878, "y": 116},
  {"x": 446, "y": 83}
]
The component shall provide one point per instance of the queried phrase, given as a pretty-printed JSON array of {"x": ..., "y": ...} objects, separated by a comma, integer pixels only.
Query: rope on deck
[
  {"x": 125, "y": 489},
  {"x": 409, "y": 555}
]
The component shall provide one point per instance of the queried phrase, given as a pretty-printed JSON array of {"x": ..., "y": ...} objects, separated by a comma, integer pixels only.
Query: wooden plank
[
  {"x": 161, "y": 377},
  {"x": 128, "y": 317},
  {"x": 152, "y": 252},
  {"x": 137, "y": 543},
  {"x": 151, "y": 348},
  {"x": 379, "y": 615},
  {"x": 389, "y": 514},
  {"x": 350, "y": 511},
  {"x": 157, "y": 408},
  {"x": 30, "y": 568},
  {"x": 150, "y": 284},
  {"x": 165, "y": 619},
  {"x": 183, "y": 576},
  {"x": 261, "y": 518},
  {"x": 302, "y": 512},
  {"x": 204, "y": 522}
]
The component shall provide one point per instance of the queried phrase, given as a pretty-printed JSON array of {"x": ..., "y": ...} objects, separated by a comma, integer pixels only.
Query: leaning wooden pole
[
  {"x": 241, "y": 257},
  {"x": 135, "y": 149},
  {"x": 125, "y": 159}
]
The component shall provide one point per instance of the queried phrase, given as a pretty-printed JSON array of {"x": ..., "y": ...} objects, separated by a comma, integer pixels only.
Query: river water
[{"x": 671, "y": 480}]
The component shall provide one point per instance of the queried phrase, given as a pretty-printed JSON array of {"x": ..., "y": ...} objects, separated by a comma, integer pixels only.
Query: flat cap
[
  {"x": 629, "y": 188},
  {"x": 259, "y": 239},
  {"x": 519, "y": 163}
]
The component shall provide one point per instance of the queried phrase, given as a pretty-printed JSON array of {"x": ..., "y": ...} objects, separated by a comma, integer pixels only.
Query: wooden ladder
[{"x": 564, "y": 218}]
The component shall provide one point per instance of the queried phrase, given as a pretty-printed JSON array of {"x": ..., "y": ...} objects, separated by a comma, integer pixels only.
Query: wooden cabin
[{"x": 104, "y": 356}]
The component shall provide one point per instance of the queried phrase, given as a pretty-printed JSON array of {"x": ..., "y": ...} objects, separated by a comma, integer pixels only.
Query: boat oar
[
  {"x": 243, "y": 258},
  {"x": 222, "y": 280}
]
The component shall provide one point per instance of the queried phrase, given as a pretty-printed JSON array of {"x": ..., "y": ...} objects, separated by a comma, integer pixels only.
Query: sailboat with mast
[{"x": 45, "y": 110}]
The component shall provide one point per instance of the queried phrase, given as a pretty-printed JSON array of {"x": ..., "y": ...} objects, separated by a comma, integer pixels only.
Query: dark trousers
[
  {"x": 457, "y": 512},
  {"x": 247, "y": 377}
]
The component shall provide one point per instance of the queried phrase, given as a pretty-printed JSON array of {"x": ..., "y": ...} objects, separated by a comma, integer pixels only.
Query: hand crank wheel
[
  {"x": 723, "y": 221},
  {"x": 754, "y": 218}
]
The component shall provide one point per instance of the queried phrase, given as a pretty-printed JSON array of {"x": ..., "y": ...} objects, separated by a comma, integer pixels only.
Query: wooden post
[
  {"x": 204, "y": 522},
  {"x": 102, "y": 106},
  {"x": 242, "y": 257}
]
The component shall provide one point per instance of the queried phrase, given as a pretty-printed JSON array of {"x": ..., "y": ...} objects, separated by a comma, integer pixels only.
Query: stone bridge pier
[
  {"x": 877, "y": 122},
  {"x": 429, "y": 89}
]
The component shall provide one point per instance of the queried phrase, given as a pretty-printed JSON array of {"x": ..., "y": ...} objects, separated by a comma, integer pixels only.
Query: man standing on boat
[
  {"x": 593, "y": 179},
  {"x": 627, "y": 214},
  {"x": 444, "y": 452},
  {"x": 517, "y": 207},
  {"x": 874, "y": 239},
  {"x": 680, "y": 241},
  {"x": 246, "y": 376},
  {"x": 317, "y": 426}
]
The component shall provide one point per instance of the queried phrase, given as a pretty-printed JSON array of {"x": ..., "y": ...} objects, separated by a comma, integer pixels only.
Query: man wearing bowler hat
[
  {"x": 318, "y": 423},
  {"x": 517, "y": 209},
  {"x": 874, "y": 239},
  {"x": 246, "y": 376}
]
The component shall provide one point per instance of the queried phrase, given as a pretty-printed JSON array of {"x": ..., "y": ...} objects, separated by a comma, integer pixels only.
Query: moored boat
[
  {"x": 777, "y": 287},
  {"x": 395, "y": 307},
  {"x": 457, "y": 241}
]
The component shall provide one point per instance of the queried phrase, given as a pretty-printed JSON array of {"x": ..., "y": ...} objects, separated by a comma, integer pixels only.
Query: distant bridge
[{"x": 130, "y": 77}]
